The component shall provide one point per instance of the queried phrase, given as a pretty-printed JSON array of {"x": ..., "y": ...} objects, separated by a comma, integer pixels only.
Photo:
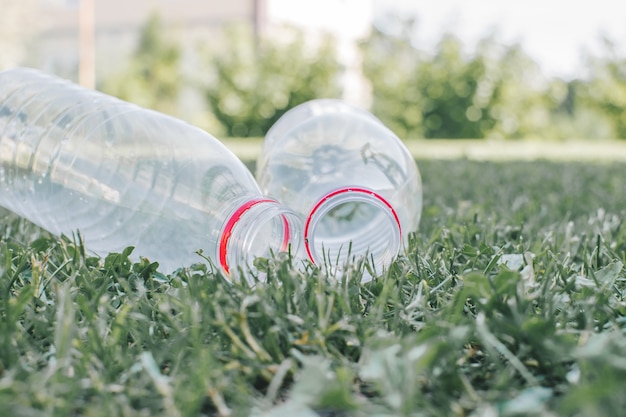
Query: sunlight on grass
[{"x": 483, "y": 149}]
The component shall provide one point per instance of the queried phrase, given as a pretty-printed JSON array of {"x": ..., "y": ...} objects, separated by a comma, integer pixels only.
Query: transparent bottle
[
  {"x": 76, "y": 159},
  {"x": 353, "y": 180}
]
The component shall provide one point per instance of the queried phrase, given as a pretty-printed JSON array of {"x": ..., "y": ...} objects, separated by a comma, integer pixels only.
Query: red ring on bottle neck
[
  {"x": 334, "y": 193},
  {"x": 232, "y": 221},
  {"x": 287, "y": 235},
  {"x": 230, "y": 224}
]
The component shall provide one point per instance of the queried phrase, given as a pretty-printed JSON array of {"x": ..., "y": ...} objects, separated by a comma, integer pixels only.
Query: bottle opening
[
  {"x": 257, "y": 228},
  {"x": 352, "y": 222}
]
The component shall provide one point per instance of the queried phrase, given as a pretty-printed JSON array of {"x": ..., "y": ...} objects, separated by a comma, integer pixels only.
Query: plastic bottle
[
  {"x": 72, "y": 158},
  {"x": 352, "y": 179}
]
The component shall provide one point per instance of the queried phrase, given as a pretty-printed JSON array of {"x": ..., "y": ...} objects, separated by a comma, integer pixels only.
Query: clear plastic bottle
[
  {"x": 353, "y": 180},
  {"x": 76, "y": 159}
]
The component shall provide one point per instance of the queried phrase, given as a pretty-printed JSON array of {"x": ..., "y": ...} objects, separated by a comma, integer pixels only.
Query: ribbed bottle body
[{"x": 72, "y": 158}]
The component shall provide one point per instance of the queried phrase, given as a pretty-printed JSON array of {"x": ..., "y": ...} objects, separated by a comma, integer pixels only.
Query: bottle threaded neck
[
  {"x": 352, "y": 222},
  {"x": 257, "y": 228}
]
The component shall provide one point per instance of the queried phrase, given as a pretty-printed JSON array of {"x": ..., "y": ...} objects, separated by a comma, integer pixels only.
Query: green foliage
[
  {"x": 152, "y": 77},
  {"x": 495, "y": 91},
  {"x": 508, "y": 301},
  {"x": 605, "y": 92},
  {"x": 256, "y": 79},
  {"x": 248, "y": 81},
  {"x": 453, "y": 104},
  {"x": 389, "y": 63}
]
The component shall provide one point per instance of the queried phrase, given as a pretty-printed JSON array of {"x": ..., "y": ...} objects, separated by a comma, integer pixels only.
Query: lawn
[{"x": 509, "y": 300}]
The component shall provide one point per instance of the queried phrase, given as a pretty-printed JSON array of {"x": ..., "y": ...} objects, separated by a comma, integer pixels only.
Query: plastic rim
[
  {"x": 232, "y": 221},
  {"x": 335, "y": 193}
]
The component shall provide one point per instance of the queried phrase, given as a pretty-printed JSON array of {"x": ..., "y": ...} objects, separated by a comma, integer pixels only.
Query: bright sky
[{"x": 552, "y": 32}]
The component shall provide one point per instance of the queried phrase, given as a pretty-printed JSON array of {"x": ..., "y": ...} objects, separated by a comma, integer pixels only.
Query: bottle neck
[
  {"x": 352, "y": 223},
  {"x": 257, "y": 228}
]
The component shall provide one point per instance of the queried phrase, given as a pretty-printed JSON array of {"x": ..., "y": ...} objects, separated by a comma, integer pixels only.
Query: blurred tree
[
  {"x": 604, "y": 93},
  {"x": 390, "y": 63},
  {"x": 497, "y": 91},
  {"x": 457, "y": 98},
  {"x": 254, "y": 82},
  {"x": 519, "y": 104},
  {"x": 577, "y": 116},
  {"x": 17, "y": 27},
  {"x": 152, "y": 77}
]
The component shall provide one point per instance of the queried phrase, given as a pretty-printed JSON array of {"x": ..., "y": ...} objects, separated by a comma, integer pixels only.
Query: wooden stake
[{"x": 86, "y": 47}]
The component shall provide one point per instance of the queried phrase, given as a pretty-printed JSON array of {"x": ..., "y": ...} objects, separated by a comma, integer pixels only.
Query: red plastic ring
[
  {"x": 232, "y": 221},
  {"x": 287, "y": 234},
  {"x": 230, "y": 224},
  {"x": 333, "y": 194}
]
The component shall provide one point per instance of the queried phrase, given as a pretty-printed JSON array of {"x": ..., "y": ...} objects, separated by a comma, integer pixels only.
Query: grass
[{"x": 509, "y": 301}]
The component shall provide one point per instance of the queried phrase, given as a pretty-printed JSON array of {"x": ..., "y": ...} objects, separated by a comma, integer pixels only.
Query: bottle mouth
[
  {"x": 258, "y": 228},
  {"x": 352, "y": 222}
]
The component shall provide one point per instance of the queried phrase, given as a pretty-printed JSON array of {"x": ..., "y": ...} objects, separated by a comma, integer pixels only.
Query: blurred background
[{"x": 454, "y": 69}]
